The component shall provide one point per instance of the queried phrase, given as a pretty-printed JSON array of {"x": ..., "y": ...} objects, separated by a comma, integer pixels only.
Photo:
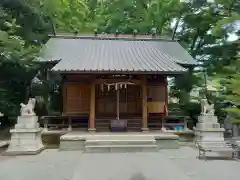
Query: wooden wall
[
  {"x": 157, "y": 94},
  {"x": 76, "y": 98}
]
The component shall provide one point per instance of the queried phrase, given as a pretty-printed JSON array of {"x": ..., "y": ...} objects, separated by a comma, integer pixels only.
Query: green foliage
[
  {"x": 232, "y": 92},
  {"x": 204, "y": 28},
  {"x": 183, "y": 85},
  {"x": 68, "y": 16},
  {"x": 191, "y": 109},
  {"x": 235, "y": 114},
  {"x": 111, "y": 15},
  {"x": 21, "y": 31}
]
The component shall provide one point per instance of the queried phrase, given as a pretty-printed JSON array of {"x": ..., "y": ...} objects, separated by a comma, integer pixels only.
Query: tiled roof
[{"x": 94, "y": 54}]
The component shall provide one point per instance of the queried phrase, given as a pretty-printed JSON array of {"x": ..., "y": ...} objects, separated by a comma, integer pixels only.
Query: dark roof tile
[{"x": 115, "y": 54}]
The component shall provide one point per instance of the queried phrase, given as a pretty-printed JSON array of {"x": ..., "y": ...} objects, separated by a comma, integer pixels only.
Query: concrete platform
[{"x": 118, "y": 142}]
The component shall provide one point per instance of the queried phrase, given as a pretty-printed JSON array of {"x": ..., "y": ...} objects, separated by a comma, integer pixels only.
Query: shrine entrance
[
  {"x": 118, "y": 101},
  {"x": 118, "y": 104}
]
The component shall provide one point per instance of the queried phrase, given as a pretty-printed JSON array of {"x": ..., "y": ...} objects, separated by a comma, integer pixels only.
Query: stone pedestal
[
  {"x": 208, "y": 129},
  {"x": 91, "y": 130},
  {"x": 25, "y": 137}
]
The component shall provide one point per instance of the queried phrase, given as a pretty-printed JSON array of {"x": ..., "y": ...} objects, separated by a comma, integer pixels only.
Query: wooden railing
[{"x": 65, "y": 121}]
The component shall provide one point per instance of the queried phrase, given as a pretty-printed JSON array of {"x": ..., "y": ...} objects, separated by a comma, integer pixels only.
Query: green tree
[
  {"x": 68, "y": 15},
  {"x": 231, "y": 83},
  {"x": 126, "y": 16},
  {"x": 201, "y": 24},
  {"x": 22, "y": 30}
]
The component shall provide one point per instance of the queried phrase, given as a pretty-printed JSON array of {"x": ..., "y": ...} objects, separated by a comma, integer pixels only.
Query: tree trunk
[{"x": 176, "y": 26}]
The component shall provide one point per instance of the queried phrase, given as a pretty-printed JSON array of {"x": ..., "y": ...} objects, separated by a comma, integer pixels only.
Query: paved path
[{"x": 178, "y": 164}]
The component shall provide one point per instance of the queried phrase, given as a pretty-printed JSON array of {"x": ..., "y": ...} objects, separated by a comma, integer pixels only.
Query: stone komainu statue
[
  {"x": 207, "y": 109},
  {"x": 28, "y": 109}
]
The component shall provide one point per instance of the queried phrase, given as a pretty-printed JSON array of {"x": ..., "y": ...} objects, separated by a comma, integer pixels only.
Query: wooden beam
[
  {"x": 144, "y": 105},
  {"x": 101, "y": 81},
  {"x": 92, "y": 108}
]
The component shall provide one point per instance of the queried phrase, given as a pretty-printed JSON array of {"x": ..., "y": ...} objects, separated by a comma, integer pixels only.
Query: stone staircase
[
  {"x": 120, "y": 144},
  {"x": 93, "y": 143}
]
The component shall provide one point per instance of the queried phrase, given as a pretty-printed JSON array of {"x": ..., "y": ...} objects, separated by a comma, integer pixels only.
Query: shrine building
[{"x": 115, "y": 82}]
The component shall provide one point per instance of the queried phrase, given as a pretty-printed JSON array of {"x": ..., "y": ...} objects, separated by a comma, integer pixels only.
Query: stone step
[
  {"x": 69, "y": 145},
  {"x": 120, "y": 148},
  {"x": 121, "y": 136},
  {"x": 119, "y": 142}
]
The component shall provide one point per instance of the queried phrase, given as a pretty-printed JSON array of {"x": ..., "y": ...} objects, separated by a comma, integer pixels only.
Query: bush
[{"x": 191, "y": 109}]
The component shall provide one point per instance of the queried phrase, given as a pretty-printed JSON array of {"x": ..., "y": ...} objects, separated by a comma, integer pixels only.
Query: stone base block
[
  {"x": 91, "y": 130},
  {"x": 27, "y": 126},
  {"x": 203, "y": 126},
  {"x": 209, "y": 134},
  {"x": 25, "y": 141},
  {"x": 207, "y": 119},
  {"x": 145, "y": 129},
  {"x": 25, "y": 152}
]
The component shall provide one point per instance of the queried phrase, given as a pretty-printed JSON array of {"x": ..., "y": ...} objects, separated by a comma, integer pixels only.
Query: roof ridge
[{"x": 126, "y": 37}]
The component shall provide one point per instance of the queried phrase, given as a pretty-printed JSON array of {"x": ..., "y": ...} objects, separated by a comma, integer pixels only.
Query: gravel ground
[{"x": 180, "y": 164}]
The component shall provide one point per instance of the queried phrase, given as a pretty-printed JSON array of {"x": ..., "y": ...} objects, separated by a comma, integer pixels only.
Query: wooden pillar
[
  {"x": 64, "y": 95},
  {"x": 166, "y": 91},
  {"x": 144, "y": 105},
  {"x": 163, "y": 129},
  {"x": 92, "y": 109}
]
